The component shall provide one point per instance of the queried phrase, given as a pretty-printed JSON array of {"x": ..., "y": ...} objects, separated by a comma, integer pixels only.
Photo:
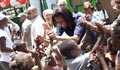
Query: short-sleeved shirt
[
  {"x": 102, "y": 14},
  {"x": 26, "y": 27},
  {"x": 36, "y": 28},
  {"x": 5, "y": 56},
  {"x": 79, "y": 63},
  {"x": 74, "y": 28}
]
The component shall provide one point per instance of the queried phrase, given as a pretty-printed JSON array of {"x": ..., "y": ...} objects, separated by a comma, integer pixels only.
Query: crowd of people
[{"x": 62, "y": 40}]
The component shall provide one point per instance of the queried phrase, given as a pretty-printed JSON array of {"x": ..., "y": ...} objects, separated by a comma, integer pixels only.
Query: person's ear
[{"x": 73, "y": 53}]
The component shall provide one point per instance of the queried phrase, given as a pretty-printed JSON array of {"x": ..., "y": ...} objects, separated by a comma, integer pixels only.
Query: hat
[
  {"x": 2, "y": 16},
  {"x": 21, "y": 14}
]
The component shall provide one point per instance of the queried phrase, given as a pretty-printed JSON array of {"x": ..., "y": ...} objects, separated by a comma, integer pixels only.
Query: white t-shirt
[
  {"x": 6, "y": 56},
  {"x": 36, "y": 28},
  {"x": 100, "y": 14},
  {"x": 10, "y": 27},
  {"x": 26, "y": 27}
]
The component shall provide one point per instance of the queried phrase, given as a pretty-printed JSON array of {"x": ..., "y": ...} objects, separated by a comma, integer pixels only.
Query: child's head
[
  {"x": 115, "y": 36},
  {"x": 88, "y": 11},
  {"x": 21, "y": 61},
  {"x": 69, "y": 49}
]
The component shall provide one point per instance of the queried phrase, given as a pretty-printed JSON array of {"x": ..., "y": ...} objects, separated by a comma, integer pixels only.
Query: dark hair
[
  {"x": 116, "y": 31},
  {"x": 66, "y": 47},
  {"x": 110, "y": 48},
  {"x": 98, "y": 3},
  {"x": 65, "y": 13}
]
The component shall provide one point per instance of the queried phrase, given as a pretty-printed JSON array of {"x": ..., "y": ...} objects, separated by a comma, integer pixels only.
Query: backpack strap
[{"x": 104, "y": 13}]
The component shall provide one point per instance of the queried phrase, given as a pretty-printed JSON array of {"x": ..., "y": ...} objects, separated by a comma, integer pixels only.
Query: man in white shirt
[
  {"x": 26, "y": 29},
  {"x": 101, "y": 13},
  {"x": 36, "y": 26}
]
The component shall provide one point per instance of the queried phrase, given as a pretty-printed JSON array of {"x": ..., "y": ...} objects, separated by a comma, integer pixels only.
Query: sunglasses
[{"x": 29, "y": 13}]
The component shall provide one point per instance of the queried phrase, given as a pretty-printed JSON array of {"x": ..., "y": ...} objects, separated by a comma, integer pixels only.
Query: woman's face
[
  {"x": 47, "y": 17},
  {"x": 61, "y": 21}
]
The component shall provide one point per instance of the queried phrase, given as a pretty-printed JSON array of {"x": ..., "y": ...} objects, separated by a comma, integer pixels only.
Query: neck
[
  {"x": 51, "y": 24},
  {"x": 35, "y": 16}
]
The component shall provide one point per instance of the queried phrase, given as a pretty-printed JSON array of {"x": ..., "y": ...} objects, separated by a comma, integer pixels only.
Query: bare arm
[
  {"x": 100, "y": 38},
  {"x": 3, "y": 45},
  {"x": 25, "y": 34},
  {"x": 106, "y": 29},
  {"x": 62, "y": 38},
  {"x": 84, "y": 41},
  {"x": 14, "y": 24},
  {"x": 104, "y": 65}
]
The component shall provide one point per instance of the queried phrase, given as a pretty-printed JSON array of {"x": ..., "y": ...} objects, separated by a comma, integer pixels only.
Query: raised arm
[
  {"x": 84, "y": 41},
  {"x": 104, "y": 65},
  {"x": 100, "y": 37}
]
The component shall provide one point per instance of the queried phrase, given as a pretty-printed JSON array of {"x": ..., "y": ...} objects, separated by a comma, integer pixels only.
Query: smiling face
[
  {"x": 47, "y": 17},
  {"x": 61, "y": 21}
]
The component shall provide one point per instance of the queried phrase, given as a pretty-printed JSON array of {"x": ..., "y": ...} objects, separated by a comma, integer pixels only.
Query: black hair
[
  {"x": 65, "y": 13},
  {"x": 98, "y": 3},
  {"x": 75, "y": 8},
  {"x": 66, "y": 47}
]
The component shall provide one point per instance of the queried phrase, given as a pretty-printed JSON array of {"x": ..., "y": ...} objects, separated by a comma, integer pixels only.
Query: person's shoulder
[
  {"x": 77, "y": 15},
  {"x": 1, "y": 30},
  {"x": 40, "y": 19},
  {"x": 27, "y": 21}
]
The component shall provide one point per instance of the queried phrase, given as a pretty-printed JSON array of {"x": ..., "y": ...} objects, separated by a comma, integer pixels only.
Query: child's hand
[{"x": 100, "y": 28}]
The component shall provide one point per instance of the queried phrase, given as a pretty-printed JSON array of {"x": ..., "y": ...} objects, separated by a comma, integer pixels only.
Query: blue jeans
[{"x": 4, "y": 65}]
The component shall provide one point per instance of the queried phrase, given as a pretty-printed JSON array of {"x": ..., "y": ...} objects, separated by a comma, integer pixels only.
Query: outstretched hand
[
  {"x": 89, "y": 25},
  {"x": 51, "y": 34},
  {"x": 100, "y": 28},
  {"x": 39, "y": 40}
]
